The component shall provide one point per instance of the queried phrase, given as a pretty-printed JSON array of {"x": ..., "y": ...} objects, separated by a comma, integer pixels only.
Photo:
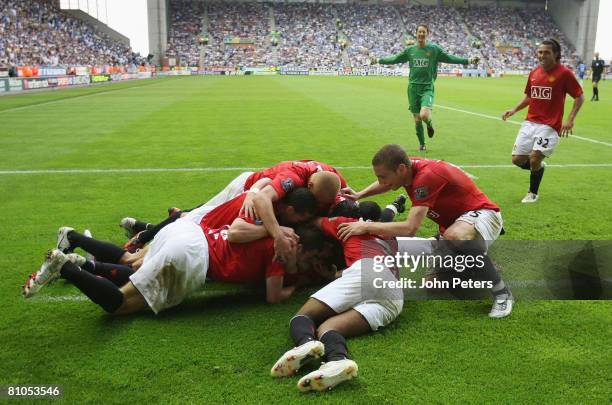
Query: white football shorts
[
  {"x": 488, "y": 223},
  {"x": 174, "y": 267},
  {"x": 534, "y": 136},
  {"x": 356, "y": 290}
]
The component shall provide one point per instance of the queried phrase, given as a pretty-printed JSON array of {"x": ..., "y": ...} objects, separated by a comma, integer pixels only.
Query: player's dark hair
[
  {"x": 369, "y": 210},
  {"x": 346, "y": 208},
  {"x": 422, "y": 25},
  {"x": 556, "y": 47},
  {"x": 391, "y": 156},
  {"x": 302, "y": 200},
  {"x": 311, "y": 237}
]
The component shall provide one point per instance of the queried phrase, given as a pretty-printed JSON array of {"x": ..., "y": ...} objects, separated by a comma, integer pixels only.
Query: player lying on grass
[
  {"x": 423, "y": 59},
  {"x": 446, "y": 195},
  {"x": 282, "y": 177},
  {"x": 349, "y": 306},
  {"x": 178, "y": 261},
  {"x": 296, "y": 207}
]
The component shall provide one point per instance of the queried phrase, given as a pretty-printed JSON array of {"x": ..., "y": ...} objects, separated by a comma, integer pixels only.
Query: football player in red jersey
[
  {"x": 445, "y": 194},
  {"x": 178, "y": 260},
  {"x": 545, "y": 93},
  {"x": 349, "y": 306},
  {"x": 283, "y": 177}
]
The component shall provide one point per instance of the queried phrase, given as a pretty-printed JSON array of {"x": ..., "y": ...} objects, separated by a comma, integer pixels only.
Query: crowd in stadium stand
[
  {"x": 39, "y": 33},
  {"x": 310, "y": 34},
  {"x": 295, "y": 35}
]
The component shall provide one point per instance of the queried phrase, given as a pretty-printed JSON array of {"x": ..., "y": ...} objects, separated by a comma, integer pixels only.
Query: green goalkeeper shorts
[{"x": 419, "y": 96}]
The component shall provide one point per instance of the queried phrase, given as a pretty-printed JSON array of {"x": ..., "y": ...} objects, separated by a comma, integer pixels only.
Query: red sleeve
[
  {"x": 342, "y": 181},
  {"x": 286, "y": 181},
  {"x": 572, "y": 87},
  {"x": 275, "y": 269},
  {"x": 427, "y": 188},
  {"x": 528, "y": 85},
  {"x": 329, "y": 226}
]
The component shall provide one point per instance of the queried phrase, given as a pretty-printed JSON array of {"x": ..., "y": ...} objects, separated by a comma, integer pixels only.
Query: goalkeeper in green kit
[{"x": 423, "y": 59}]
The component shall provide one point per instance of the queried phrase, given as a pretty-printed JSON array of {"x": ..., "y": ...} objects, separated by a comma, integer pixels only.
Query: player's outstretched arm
[
  {"x": 416, "y": 215},
  {"x": 248, "y": 208},
  {"x": 275, "y": 292},
  {"x": 523, "y": 103},
  {"x": 446, "y": 58},
  {"x": 373, "y": 189},
  {"x": 394, "y": 59},
  {"x": 263, "y": 205},
  {"x": 242, "y": 231},
  {"x": 566, "y": 129}
]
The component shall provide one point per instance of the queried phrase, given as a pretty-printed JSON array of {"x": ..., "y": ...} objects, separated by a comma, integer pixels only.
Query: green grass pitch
[{"x": 219, "y": 346}]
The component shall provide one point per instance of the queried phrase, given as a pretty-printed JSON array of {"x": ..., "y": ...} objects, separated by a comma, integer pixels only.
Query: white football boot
[
  {"x": 292, "y": 360},
  {"x": 63, "y": 243},
  {"x": 530, "y": 198},
  {"x": 328, "y": 376},
  {"x": 502, "y": 306},
  {"x": 76, "y": 259},
  {"x": 49, "y": 272},
  {"x": 128, "y": 224}
]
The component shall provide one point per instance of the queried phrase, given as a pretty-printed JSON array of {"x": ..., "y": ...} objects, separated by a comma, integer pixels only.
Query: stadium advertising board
[
  {"x": 4, "y": 87},
  {"x": 4, "y": 72},
  {"x": 294, "y": 72},
  {"x": 29, "y": 84},
  {"x": 144, "y": 75},
  {"x": 100, "y": 78},
  {"x": 323, "y": 72},
  {"x": 60, "y": 81},
  {"x": 80, "y": 80},
  {"x": 15, "y": 85}
]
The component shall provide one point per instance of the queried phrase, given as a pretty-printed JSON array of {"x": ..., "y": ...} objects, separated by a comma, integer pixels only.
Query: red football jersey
[
  {"x": 224, "y": 214},
  {"x": 287, "y": 176},
  {"x": 547, "y": 92},
  {"x": 446, "y": 190},
  {"x": 356, "y": 247},
  {"x": 240, "y": 262}
]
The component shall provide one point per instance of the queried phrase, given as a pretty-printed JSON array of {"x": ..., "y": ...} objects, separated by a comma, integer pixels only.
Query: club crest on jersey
[
  {"x": 551, "y": 78},
  {"x": 420, "y": 193},
  {"x": 287, "y": 185},
  {"x": 421, "y": 62},
  {"x": 541, "y": 92},
  {"x": 433, "y": 214}
]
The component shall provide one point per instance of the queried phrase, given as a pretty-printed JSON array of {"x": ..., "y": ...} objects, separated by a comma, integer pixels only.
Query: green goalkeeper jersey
[{"x": 423, "y": 62}]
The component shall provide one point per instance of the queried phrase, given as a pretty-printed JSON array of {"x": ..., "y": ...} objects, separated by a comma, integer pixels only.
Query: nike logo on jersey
[
  {"x": 421, "y": 62},
  {"x": 541, "y": 92}
]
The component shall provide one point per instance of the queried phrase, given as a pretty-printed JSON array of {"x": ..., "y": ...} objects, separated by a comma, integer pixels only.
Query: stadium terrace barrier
[{"x": 4, "y": 87}]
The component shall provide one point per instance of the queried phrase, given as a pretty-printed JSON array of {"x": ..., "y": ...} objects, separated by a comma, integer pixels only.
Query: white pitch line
[
  {"x": 492, "y": 117},
  {"x": 243, "y": 169}
]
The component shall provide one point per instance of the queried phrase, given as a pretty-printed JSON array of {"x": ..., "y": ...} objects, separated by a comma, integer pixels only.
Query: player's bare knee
[{"x": 519, "y": 160}]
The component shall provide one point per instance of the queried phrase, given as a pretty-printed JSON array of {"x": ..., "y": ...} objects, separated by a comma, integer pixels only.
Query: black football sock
[
  {"x": 302, "y": 329},
  {"x": 103, "y": 251},
  {"x": 335, "y": 346},
  {"x": 535, "y": 179},
  {"x": 140, "y": 226},
  {"x": 150, "y": 233},
  {"x": 100, "y": 290},
  {"x": 526, "y": 165},
  {"x": 117, "y": 273},
  {"x": 596, "y": 91},
  {"x": 388, "y": 214}
]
